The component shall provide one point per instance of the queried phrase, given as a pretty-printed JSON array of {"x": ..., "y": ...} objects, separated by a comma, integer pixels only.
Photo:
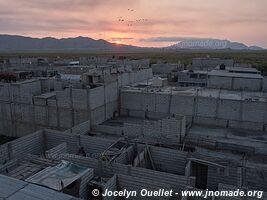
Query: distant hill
[
  {"x": 21, "y": 43},
  {"x": 212, "y": 44},
  {"x": 15, "y": 43}
]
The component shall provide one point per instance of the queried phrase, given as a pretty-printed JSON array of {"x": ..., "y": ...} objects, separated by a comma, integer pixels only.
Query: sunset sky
[{"x": 138, "y": 22}]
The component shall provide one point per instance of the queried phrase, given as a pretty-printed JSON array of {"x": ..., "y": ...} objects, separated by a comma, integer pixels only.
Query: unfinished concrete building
[
  {"x": 236, "y": 109},
  {"x": 115, "y": 130},
  {"x": 50, "y": 103},
  {"x": 47, "y": 158}
]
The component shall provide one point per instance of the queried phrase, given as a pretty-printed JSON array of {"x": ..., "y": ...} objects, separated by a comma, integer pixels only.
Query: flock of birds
[{"x": 131, "y": 22}]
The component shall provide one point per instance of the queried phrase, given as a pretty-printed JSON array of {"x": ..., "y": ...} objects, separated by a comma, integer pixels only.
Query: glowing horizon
[{"x": 140, "y": 22}]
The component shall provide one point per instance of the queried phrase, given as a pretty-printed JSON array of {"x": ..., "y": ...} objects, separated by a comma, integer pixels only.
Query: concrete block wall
[
  {"x": 168, "y": 127},
  {"x": 137, "y": 184},
  {"x": 98, "y": 115},
  {"x": 126, "y": 157},
  {"x": 30, "y": 144},
  {"x": 132, "y": 130},
  {"x": 224, "y": 112},
  {"x": 220, "y": 82},
  {"x": 254, "y": 111},
  {"x": 235, "y": 83},
  {"x": 81, "y": 129},
  {"x": 201, "y": 141},
  {"x": 113, "y": 130},
  {"x": 93, "y": 146},
  {"x": 85, "y": 179},
  {"x": 246, "y": 125},
  {"x": 55, "y": 138},
  {"x": 105, "y": 169},
  {"x": 24, "y": 92},
  {"x": 9, "y": 164},
  {"x": 229, "y": 109},
  {"x": 65, "y": 118},
  {"x": 61, "y": 148},
  {"x": 4, "y": 155},
  {"x": 111, "y": 92},
  {"x": 111, "y": 185},
  {"x": 210, "y": 121},
  {"x": 214, "y": 177},
  {"x": 235, "y": 148},
  {"x": 152, "y": 129},
  {"x": 134, "y": 113},
  {"x": 132, "y": 100},
  {"x": 46, "y": 85},
  {"x": 264, "y": 84},
  {"x": 173, "y": 127},
  {"x": 168, "y": 160},
  {"x": 255, "y": 179},
  {"x": 163, "y": 69},
  {"x": 71, "y": 107},
  {"x": 247, "y": 84},
  {"x": 5, "y": 94},
  {"x": 96, "y": 97},
  {"x": 129, "y": 78},
  {"x": 110, "y": 109},
  {"x": 206, "y": 107}
]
